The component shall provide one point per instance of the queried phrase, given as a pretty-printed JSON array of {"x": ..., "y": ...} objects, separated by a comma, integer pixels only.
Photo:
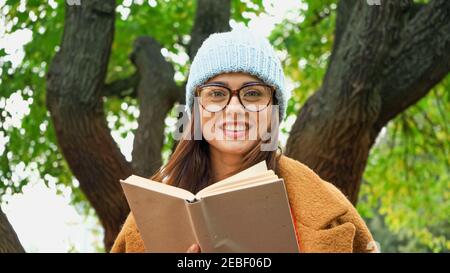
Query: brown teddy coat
[{"x": 325, "y": 220}]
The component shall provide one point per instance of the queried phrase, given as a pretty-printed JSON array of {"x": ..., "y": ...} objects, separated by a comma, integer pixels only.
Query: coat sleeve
[
  {"x": 129, "y": 238},
  {"x": 120, "y": 242},
  {"x": 363, "y": 240}
]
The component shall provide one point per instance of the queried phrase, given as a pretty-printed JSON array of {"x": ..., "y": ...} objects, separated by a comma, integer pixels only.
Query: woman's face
[{"x": 234, "y": 130}]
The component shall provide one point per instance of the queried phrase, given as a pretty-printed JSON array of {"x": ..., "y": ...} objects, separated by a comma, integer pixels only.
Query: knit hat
[{"x": 239, "y": 50}]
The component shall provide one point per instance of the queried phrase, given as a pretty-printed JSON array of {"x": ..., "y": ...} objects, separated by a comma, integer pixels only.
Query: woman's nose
[{"x": 235, "y": 105}]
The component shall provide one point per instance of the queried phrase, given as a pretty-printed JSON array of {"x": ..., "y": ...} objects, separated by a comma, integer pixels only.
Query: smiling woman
[
  {"x": 233, "y": 125},
  {"x": 234, "y": 93}
]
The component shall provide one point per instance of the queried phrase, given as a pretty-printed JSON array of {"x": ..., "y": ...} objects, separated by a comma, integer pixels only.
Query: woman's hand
[{"x": 195, "y": 248}]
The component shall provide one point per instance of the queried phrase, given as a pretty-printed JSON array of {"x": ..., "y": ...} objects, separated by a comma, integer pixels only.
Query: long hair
[{"x": 189, "y": 166}]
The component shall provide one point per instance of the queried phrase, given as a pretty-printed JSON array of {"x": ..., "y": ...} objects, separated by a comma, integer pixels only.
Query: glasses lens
[
  {"x": 255, "y": 97},
  {"x": 214, "y": 98}
]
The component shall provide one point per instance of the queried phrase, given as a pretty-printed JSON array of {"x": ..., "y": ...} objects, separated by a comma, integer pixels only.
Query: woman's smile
[{"x": 235, "y": 129}]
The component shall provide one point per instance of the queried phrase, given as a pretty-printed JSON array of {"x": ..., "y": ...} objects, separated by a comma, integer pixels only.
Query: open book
[{"x": 247, "y": 212}]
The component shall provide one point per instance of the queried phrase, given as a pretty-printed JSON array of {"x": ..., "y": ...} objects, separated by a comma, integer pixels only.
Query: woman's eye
[
  {"x": 252, "y": 93},
  {"x": 217, "y": 93}
]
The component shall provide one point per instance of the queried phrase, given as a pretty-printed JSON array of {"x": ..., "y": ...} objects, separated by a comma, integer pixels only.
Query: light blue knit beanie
[{"x": 239, "y": 50}]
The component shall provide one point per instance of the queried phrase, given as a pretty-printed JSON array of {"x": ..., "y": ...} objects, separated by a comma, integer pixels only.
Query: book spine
[
  {"x": 200, "y": 226},
  {"x": 191, "y": 219}
]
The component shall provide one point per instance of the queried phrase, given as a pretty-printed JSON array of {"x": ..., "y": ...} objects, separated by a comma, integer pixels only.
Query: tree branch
[
  {"x": 343, "y": 14},
  {"x": 122, "y": 88},
  {"x": 414, "y": 9},
  {"x": 74, "y": 85},
  {"x": 421, "y": 60},
  {"x": 157, "y": 92},
  {"x": 9, "y": 242},
  {"x": 211, "y": 17},
  {"x": 369, "y": 32},
  {"x": 336, "y": 122}
]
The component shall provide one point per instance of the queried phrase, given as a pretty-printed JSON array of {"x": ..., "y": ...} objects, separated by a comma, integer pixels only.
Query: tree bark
[
  {"x": 211, "y": 17},
  {"x": 74, "y": 84},
  {"x": 157, "y": 91},
  {"x": 9, "y": 242},
  {"x": 387, "y": 63},
  {"x": 421, "y": 61}
]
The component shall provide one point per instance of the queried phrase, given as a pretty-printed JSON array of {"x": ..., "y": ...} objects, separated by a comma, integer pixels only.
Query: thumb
[{"x": 194, "y": 248}]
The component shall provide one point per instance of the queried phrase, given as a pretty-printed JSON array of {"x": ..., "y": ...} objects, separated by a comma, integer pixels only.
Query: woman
[{"x": 235, "y": 98}]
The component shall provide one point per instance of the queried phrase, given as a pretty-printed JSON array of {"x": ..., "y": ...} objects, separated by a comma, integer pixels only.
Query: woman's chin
[{"x": 234, "y": 146}]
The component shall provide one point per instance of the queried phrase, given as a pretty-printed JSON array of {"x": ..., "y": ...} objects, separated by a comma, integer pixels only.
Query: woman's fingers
[{"x": 195, "y": 248}]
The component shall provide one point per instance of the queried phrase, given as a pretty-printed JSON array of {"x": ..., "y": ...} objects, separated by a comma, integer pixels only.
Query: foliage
[
  {"x": 408, "y": 172},
  {"x": 31, "y": 143}
]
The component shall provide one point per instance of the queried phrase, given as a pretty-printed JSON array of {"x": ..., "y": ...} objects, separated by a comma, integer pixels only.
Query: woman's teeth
[{"x": 232, "y": 127}]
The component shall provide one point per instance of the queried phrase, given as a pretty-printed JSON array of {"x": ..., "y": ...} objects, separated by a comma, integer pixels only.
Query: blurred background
[{"x": 87, "y": 90}]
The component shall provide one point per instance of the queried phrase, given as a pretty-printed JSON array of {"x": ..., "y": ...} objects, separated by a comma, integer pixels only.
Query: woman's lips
[
  {"x": 235, "y": 129},
  {"x": 234, "y": 134}
]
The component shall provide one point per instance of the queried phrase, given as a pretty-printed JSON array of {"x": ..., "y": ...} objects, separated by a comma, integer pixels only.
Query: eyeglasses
[{"x": 254, "y": 97}]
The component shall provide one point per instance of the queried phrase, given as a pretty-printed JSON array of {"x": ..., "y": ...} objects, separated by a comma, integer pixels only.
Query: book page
[
  {"x": 159, "y": 187},
  {"x": 240, "y": 184},
  {"x": 251, "y": 220},
  {"x": 162, "y": 219},
  {"x": 252, "y": 171}
]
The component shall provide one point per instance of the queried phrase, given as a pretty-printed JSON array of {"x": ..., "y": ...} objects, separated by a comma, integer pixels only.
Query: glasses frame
[{"x": 235, "y": 92}]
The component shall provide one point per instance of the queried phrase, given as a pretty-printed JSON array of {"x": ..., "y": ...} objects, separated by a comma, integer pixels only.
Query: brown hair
[{"x": 189, "y": 165}]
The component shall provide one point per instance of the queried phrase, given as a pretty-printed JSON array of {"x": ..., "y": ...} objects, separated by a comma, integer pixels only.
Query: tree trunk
[
  {"x": 392, "y": 56},
  {"x": 9, "y": 242},
  {"x": 75, "y": 80}
]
